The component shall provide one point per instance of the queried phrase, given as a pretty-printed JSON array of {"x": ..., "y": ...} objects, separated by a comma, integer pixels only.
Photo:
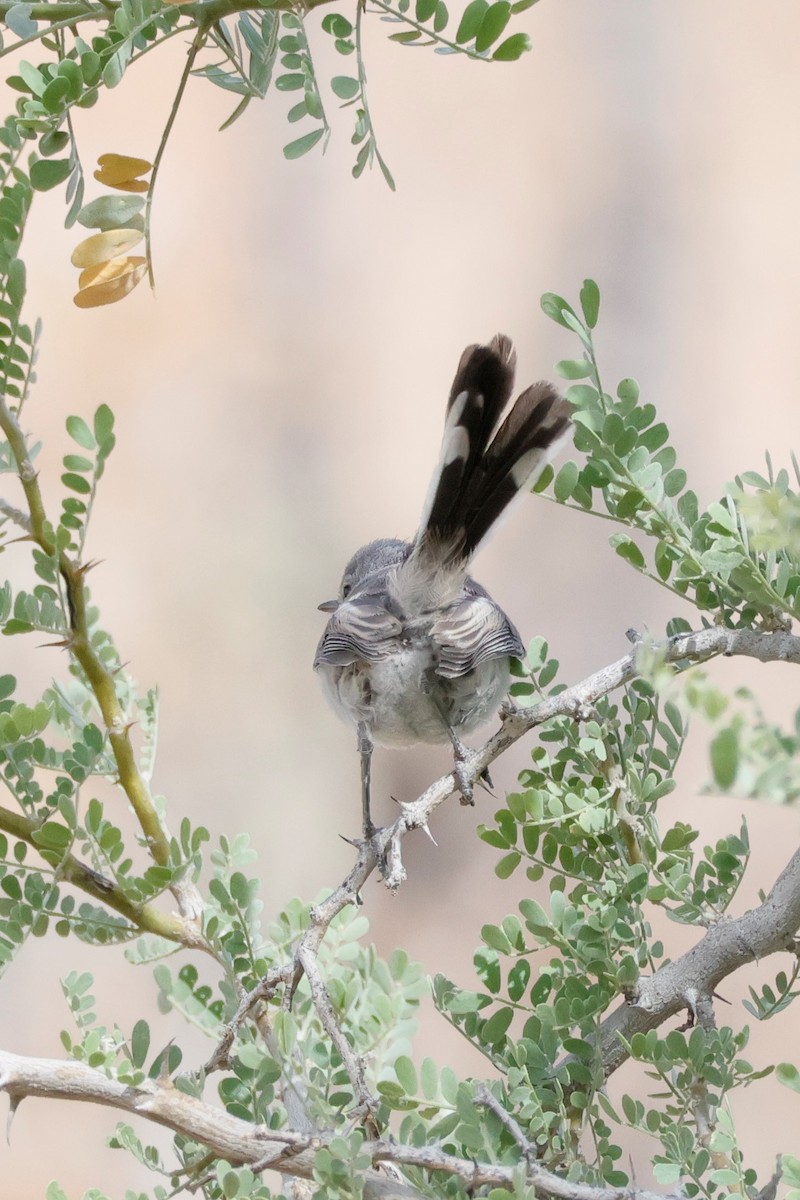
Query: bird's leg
[
  {"x": 365, "y": 746},
  {"x": 461, "y": 756},
  {"x": 365, "y": 750}
]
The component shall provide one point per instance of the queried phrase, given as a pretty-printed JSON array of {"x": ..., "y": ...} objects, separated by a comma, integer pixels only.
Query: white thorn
[{"x": 424, "y": 826}]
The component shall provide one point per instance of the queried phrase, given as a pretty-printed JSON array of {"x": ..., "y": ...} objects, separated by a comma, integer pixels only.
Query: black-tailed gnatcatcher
[{"x": 415, "y": 650}]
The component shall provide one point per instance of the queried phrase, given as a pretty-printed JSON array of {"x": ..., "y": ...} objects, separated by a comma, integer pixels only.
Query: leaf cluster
[{"x": 720, "y": 558}]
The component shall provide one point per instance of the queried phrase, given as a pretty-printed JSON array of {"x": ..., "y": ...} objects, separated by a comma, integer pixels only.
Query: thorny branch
[
  {"x": 100, "y": 679},
  {"x": 687, "y": 982},
  {"x": 287, "y": 1151}
]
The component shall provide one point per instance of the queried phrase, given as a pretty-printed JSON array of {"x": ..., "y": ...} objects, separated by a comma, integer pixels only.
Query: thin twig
[
  {"x": 487, "y": 1099},
  {"x": 194, "y": 49}
]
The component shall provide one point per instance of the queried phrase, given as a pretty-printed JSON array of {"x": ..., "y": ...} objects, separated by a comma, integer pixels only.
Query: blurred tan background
[{"x": 279, "y": 402}]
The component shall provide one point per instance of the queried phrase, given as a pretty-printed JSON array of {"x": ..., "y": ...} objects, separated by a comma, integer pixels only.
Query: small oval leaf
[
  {"x": 303, "y": 144},
  {"x": 103, "y": 246},
  {"x": 48, "y": 173},
  {"x": 114, "y": 169}
]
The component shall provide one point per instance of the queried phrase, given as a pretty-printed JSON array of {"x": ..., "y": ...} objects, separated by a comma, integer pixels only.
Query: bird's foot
[
  {"x": 374, "y": 836},
  {"x": 465, "y": 785}
]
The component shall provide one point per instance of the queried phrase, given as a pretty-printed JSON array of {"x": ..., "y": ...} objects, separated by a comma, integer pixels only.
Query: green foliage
[
  {"x": 18, "y": 341},
  {"x": 264, "y": 49},
  {"x": 752, "y": 756},
  {"x": 770, "y": 1001},
  {"x": 479, "y": 32},
  {"x": 734, "y": 561},
  {"x": 82, "y": 474},
  {"x": 583, "y": 834}
]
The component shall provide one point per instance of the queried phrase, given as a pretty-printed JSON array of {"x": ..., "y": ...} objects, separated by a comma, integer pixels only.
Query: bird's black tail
[{"x": 479, "y": 474}]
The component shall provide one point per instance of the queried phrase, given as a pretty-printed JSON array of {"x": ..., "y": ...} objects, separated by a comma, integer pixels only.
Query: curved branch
[{"x": 283, "y": 1150}]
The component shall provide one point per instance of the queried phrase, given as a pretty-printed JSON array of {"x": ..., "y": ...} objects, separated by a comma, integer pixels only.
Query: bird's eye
[{"x": 346, "y": 590}]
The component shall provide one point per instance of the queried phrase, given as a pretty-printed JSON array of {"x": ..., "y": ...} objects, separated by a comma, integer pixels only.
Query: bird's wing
[
  {"x": 358, "y": 630},
  {"x": 471, "y": 632}
]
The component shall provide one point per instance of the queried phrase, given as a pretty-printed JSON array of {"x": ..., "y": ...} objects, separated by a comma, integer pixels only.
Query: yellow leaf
[
  {"x": 108, "y": 270},
  {"x": 117, "y": 168},
  {"x": 130, "y": 185},
  {"x": 102, "y": 246},
  {"x": 108, "y": 291}
]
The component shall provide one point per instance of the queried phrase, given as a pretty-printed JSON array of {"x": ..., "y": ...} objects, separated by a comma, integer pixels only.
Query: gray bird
[{"x": 415, "y": 650}]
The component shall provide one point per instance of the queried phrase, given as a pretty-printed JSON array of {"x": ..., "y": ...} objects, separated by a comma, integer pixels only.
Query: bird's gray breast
[{"x": 403, "y": 700}]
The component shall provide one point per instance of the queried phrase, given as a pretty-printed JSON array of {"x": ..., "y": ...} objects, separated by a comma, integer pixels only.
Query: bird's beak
[{"x": 328, "y": 606}]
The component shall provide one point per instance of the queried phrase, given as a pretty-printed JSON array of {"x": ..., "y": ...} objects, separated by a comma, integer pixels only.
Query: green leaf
[
  {"x": 508, "y": 864},
  {"x": 345, "y": 87},
  {"x": 104, "y": 427},
  {"x": 565, "y": 481},
  {"x": 76, "y": 483},
  {"x": 571, "y": 368},
  {"x": 590, "y": 302},
  {"x": 69, "y": 69},
  {"x": 471, "y": 20},
  {"x": 406, "y": 1075},
  {"x": 18, "y": 20},
  {"x": 441, "y": 16},
  {"x": 512, "y": 48},
  {"x": 52, "y": 836},
  {"x": 337, "y": 25},
  {"x": 674, "y": 482},
  {"x": 725, "y": 758},
  {"x": 53, "y": 142},
  {"x": 140, "y": 1043},
  {"x": 495, "y": 938},
  {"x": 90, "y": 67},
  {"x": 16, "y": 626},
  {"x": 535, "y": 916},
  {"x": 32, "y": 77},
  {"x": 429, "y": 1079},
  {"x": 557, "y": 309},
  {"x": 55, "y": 94},
  {"x": 628, "y": 389},
  {"x": 76, "y": 462},
  {"x": 110, "y": 212},
  {"x": 49, "y": 173},
  {"x": 7, "y": 686},
  {"x": 303, "y": 144},
  {"x": 496, "y": 1027},
  {"x": 115, "y": 67},
  {"x": 518, "y": 979},
  {"x": 80, "y": 432},
  {"x": 294, "y": 82},
  {"x": 788, "y": 1075},
  {"x": 494, "y": 22},
  {"x": 627, "y": 549}
]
